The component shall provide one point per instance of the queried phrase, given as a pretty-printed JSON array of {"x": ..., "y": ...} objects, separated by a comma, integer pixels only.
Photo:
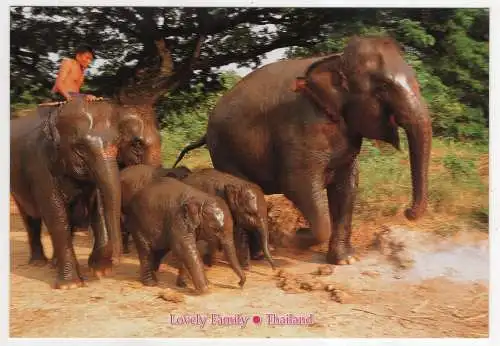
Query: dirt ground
[{"x": 408, "y": 283}]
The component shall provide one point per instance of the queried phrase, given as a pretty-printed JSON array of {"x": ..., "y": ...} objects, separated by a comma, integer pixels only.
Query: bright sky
[{"x": 270, "y": 57}]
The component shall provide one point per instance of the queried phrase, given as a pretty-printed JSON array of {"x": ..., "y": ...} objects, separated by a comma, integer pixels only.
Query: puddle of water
[{"x": 461, "y": 263}]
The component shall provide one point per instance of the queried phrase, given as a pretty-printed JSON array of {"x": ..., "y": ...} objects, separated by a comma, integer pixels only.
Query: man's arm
[{"x": 64, "y": 72}]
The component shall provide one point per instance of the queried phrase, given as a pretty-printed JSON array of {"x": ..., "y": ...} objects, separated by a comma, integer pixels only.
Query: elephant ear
[
  {"x": 50, "y": 127},
  {"x": 324, "y": 83},
  {"x": 251, "y": 200},
  {"x": 191, "y": 211},
  {"x": 53, "y": 137},
  {"x": 231, "y": 196}
]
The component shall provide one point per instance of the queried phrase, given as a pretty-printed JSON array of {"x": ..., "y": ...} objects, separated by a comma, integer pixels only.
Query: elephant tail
[{"x": 199, "y": 143}]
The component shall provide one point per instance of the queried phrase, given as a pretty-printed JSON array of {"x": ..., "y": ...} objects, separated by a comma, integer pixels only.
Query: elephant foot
[
  {"x": 305, "y": 238},
  {"x": 69, "y": 284},
  {"x": 102, "y": 272},
  {"x": 207, "y": 260},
  {"x": 180, "y": 282},
  {"x": 53, "y": 263},
  {"x": 202, "y": 291},
  {"x": 162, "y": 268},
  {"x": 258, "y": 256},
  {"x": 341, "y": 257},
  {"x": 150, "y": 282},
  {"x": 102, "y": 268},
  {"x": 244, "y": 259},
  {"x": 38, "y": 261}
]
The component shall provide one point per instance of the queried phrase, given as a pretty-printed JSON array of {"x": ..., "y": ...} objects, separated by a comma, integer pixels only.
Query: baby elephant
[
  {"x": 170, "y": 215},
  {"x": 248, "y": 208},
  {"x": 135, "y": 178}
]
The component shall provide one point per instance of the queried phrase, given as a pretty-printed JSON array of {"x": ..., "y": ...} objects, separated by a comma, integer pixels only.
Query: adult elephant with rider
[
  {"x": 296, "y": 127},
  {"x": 68, "y": 156},
  {"x": 137, "y": 141}
]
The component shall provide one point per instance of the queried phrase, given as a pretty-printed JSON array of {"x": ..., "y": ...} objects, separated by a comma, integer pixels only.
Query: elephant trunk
[
  {"x": 264, "y": 238},
  {"x": 419, "y": 136},
  {"x": 230, "y": 253},
  {"x": 412, "y": 115},
  {"x": 106, "y": 174}
]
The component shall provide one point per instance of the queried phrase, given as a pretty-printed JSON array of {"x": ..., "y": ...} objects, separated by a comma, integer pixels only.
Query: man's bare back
[{"x": 71, "y": 74}]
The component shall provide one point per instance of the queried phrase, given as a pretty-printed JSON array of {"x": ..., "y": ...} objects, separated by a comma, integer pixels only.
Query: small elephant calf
[
  {"x": 248, "y": 208},
  {"x": 135, "y": 178},
  {"x": 166, "y": 215}
]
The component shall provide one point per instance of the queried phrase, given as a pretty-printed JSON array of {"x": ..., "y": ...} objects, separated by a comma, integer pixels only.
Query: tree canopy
[{"x": 448, "y": 47}]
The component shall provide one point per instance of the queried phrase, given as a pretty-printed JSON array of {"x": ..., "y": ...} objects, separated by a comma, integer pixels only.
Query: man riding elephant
[{"x": 71, "y": 75}]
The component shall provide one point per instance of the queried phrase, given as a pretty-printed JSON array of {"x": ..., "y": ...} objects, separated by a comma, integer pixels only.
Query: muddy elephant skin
[
  {"x": 138, "y": 141},
  {"x": 134, "y": 179},
  {"x": 67, "y": 156},
  {"x": 168, "y": 215},
  {"x": 248, "y": 208},
  {"x": 296, "y": 127}
]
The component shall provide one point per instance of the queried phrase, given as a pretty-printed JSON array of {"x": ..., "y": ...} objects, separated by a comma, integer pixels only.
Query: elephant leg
[
  {"x": 255, "y": 245},
  {"x": 100, "y": 260},
  {"x": 125, "y": 235},
  {"x": 57, "y": 220},
  {"x": 181, "y": 277},
  {"x": 80, "y": 218},
  {"x": 146, "y": 259},
  {"x": 209, "y": 257},
  {"x": 184, "y": 247},
  {"x": 341, "y": 197},
  {"x": 242, "y": 248},
  {"x": 34, "y": 228},
  {"x": 158, "y": 256},
  {"x": 306, "y": 190}
]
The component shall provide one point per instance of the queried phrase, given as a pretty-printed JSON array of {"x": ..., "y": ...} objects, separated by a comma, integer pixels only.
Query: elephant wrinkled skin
[
  {"x": 164, "y": 214},
  {"x": 67, "y": 156},
  {"x": 296, "y": 127},
  {"x": 138, "y": 141},
  {"x": 248, "y": 208}
]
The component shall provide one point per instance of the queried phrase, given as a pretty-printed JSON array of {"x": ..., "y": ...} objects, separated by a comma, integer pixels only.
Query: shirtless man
[{"x": 71, "y": 74}]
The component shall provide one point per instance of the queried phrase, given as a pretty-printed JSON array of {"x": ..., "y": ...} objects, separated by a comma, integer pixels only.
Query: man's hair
[{"x": 84, "y": 48}]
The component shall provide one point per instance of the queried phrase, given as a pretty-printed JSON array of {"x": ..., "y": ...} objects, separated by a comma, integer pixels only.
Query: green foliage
[
  {"x": 449, "y": 49},
  {"x": 457, "y": 166},
  {"x": 184, "y": 117}
]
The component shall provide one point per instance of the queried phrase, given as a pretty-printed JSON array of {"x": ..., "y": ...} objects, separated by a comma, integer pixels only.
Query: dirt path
[{"x": 443, "y": 293}]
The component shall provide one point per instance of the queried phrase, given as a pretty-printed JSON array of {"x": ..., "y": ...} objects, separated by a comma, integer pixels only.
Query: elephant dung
[
  {"x": 291, "y": 283},
  {"x": 312, "y": 285},
  {"x": 324, "y": 270},
  {"x": 341, "y": 296}
]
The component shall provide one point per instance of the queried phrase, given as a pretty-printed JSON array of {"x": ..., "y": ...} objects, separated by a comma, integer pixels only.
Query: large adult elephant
[
  {"x": 138, "y": 141},
  {"x": 296, "y": 127},
  {"x": 57, "y": 159}
]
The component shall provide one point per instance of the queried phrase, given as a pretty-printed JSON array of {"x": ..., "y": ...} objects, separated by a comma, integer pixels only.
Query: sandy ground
[{"x": 412, "y": 284}]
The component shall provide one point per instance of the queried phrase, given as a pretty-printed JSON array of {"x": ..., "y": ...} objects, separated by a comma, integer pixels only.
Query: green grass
[
  {"x": 458, "y": 182},
  {"x": 172, "y": 144}
]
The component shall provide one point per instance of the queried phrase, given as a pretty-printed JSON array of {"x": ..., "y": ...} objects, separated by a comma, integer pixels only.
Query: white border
[{"x": 494, "y": 139}]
